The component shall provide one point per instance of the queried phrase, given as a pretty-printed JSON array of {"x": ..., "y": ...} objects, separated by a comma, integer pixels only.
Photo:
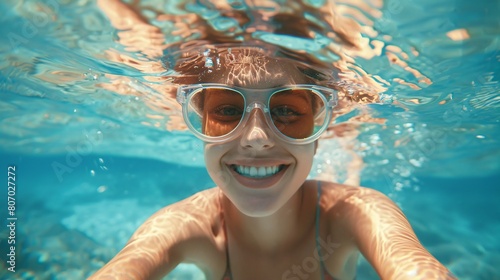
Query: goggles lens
[{"x": 297, "y": 113}]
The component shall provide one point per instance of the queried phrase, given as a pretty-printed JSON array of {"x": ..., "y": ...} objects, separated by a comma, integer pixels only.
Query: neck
[{"x": 277, "y": 231}]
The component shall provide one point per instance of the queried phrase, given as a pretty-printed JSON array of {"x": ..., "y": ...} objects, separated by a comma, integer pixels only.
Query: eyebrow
[
  {"x": 250, "y": 88},
  {"x": 302, "y": 96}
]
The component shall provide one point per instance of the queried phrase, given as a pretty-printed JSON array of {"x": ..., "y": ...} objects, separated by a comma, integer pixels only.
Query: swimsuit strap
[
  {"x": 227, "y": 275},
  {"x": 318, "y": 247}
]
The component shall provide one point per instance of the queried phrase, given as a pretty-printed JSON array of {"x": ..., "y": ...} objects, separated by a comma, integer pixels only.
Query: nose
[{"x": 257, "y": 134}]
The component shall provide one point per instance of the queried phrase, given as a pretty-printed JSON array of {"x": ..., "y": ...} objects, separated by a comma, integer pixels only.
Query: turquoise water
[{"x": 98, "y": 147}]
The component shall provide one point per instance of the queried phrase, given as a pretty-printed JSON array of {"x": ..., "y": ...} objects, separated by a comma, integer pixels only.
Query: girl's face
[{"x": 257, "y": 171}]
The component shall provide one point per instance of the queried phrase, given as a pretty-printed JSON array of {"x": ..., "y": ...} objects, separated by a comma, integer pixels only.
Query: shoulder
[
  {"x": 200, "y": 209},
  {"x": 189, "y": 225},
  {"x": 339, "y": 195},
  {"x": 353, "y": 207},
  {"x": 380, "y": 231},
  {"x": 194, "y": 227},
  {"x": 195, "y": 217}
]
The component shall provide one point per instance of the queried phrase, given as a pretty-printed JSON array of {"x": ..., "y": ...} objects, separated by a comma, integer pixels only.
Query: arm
[
  {"x": 148, "y": 254},
  {"x": 163, "y": 241},
  {"x": 386, "y": 239}
]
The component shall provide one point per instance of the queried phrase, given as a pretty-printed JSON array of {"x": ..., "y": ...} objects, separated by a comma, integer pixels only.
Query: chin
[
  {"x": 256, "y": 211},
  {"x": 259, "y": 205}
]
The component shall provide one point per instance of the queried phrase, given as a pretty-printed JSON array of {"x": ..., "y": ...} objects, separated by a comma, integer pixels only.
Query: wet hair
[{"x": 239, "y": 64}]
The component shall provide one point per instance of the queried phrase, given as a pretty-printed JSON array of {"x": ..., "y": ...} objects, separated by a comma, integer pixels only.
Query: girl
[{"x": 260, "y": 118}]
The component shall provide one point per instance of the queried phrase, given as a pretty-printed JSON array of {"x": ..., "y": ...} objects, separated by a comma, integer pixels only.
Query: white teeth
[
  {"x": 257, "y": 172},
  {"x": 253, "y": 171},
  {"x": 269, "y": 169},
  {"x": 262, "y": 171}
]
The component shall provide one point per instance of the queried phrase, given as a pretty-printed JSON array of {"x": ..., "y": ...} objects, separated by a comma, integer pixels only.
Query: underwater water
[{"x": 96, "y": 142}]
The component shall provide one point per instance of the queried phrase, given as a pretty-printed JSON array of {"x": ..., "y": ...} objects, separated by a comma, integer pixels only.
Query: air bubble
[
  {"x": 415, "y": 162},
  {"x": 91, "y": 75},
  {"x": 407, "y": 125},
  {"x": 405, "y": 172},
  {"x": 209, "y": 62}
]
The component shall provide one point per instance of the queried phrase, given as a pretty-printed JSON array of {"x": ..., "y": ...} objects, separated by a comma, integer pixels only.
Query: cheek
[
  {"x": 303, "y": 151},
  {"x": 213, "y": 154},
  {"x": 304, "y": 155}
]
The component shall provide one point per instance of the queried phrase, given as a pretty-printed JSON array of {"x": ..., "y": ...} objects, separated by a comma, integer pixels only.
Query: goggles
[{"x": 297, "y": 114}]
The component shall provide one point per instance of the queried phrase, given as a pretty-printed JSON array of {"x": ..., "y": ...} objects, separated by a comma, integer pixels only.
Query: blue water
[
  {"x": 68, "y": 228},
  {"x": 96, "y": 150}
]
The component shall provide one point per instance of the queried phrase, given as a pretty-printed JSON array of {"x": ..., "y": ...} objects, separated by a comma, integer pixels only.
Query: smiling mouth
[{"x": 257, "y": 172}]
